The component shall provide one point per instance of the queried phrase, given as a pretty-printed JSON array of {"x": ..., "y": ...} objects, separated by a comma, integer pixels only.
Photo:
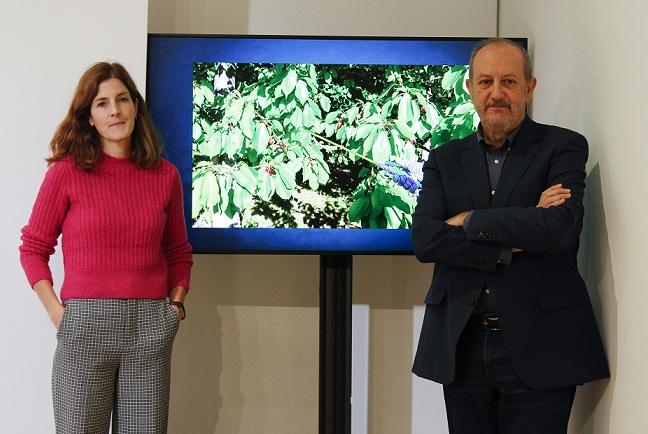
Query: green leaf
[
  {"x": 325, "y": 102},
  {"x": 246, "y": 199},
  {"x": 316, "y": 110},
  {"x": 416, "y": 111},
  {"x": 296, "y": 118},
  {"x": 236, "y": 196},
  {"x": 308, "y": 117},
  {"x": 341, "y": 134},
  {"x": 247, "y": 127},
  {"x": 301, "y": 92},
  {"x": 206, "y": 126},
  {"x": 368, "y": 143},
  {"x": 247, "y": 121},
  {"x": 451, "y": 77},
  {"x": 381, "y": 148},
  {"x": 210, "y": 192},
  {"x": 307, "y": 172},
  {"x": 323, "y": 172},
  {"x": 197, "y": 131},
  {"x": 276, "y": 126},
  {"x": 261, "y": 137},
  {"x": 359, "y": 208},
  {"x": 266, "y": 187},
  {"x": 235, "y": 142},
  {"x": 281, "y": 190},
  {"x": 262, "y": 98},
  {"x": 199, "y": 97},
  {"x": 289, "y": 82},
  {"x": 385, "y": 111},
  {"x": 363, "y": 131},
  {"x": 235, "y": 110},
  {"x": 332, "y": 117},
  {"x": 466, "y": 107},
  {"x": 432, "y": 115},
  {"x": 231, "y": 209},
  {"x": 403, "y": 129},
  {"x": 245, "y": 177},
  {"x": 286, "y": 175},
  {"x": 211, "y": 147},
  {"x": 377, "y": 201},
  {"x": 208, "y": 92},
  {"x": 405, "y": 114},
  {"x": 225, "y": 184},
  {"x": 352, "y": 114},
  {"x": 402, "y": 200},
  {"x": 393, "y": 217},
  {"x": 460, "y": 85},
  {"x": 396, "y": 142},
  {"x": 196, "y": 193},
  {"x": 251, "y": 155}
]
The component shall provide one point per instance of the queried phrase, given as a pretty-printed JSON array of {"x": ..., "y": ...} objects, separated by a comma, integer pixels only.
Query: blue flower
[
  {"x": 401, "y": 175},
  {"x": 407, "y": 182}
]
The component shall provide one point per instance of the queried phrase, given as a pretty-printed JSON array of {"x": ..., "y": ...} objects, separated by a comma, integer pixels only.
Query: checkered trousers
[{"x": 113, "y": 358}]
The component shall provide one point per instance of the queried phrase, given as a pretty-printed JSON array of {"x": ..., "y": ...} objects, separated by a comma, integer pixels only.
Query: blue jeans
[{"x": 487, "y": 396}]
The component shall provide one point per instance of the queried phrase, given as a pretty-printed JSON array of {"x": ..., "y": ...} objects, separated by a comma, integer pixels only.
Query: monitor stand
[{"x": 335, "y": 344}]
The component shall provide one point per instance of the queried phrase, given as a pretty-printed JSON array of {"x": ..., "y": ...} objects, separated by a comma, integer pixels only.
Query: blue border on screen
[{"x": 169, "y": 96}]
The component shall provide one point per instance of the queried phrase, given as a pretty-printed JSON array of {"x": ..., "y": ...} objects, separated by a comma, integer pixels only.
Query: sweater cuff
[
  {"x": 37, "y": 273},
  {"x": 179, "y": 275}
]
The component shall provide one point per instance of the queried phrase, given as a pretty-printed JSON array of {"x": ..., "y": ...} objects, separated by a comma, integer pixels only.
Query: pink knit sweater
[{"x": 123, "y": 230}]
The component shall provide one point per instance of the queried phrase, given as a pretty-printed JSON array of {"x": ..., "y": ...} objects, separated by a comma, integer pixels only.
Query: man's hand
[
  {"x": 553, "y": 196},
  {"x": 458, "y": 219}
]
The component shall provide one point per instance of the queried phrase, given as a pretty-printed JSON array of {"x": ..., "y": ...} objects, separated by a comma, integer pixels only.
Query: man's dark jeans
[{"x": 487, "y": 396}]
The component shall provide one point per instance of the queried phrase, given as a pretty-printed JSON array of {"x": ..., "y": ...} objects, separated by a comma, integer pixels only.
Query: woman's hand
[
  {"x": 178, "y": 312},
  {"x": 50, "y": 302},
  {"x": 178, "y": 294},
  {"x": 55, "y": 313}
]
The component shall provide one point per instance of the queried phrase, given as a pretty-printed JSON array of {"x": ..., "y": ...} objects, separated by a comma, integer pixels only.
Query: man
[{"x": 508, "y": 329}]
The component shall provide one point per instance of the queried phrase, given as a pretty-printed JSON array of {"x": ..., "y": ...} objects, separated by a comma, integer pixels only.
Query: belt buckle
[{"x": 491, "y": 323}]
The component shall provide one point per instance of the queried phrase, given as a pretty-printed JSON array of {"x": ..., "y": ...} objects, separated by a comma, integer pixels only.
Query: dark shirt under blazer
[{"x": 548, "y": 326}]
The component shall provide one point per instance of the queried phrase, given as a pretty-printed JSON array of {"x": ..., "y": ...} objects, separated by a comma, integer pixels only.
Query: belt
[{"x": 490, "y": 322}]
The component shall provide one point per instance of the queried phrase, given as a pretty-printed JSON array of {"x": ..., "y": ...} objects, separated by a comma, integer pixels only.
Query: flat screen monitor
[{"x": 309, "y": 145}]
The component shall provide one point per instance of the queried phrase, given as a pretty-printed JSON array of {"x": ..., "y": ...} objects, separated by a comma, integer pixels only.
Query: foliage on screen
[{"x": 318, "y": 145}]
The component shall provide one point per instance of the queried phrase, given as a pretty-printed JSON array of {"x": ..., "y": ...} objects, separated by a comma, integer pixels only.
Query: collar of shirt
[{"x": 507, "y": 144}]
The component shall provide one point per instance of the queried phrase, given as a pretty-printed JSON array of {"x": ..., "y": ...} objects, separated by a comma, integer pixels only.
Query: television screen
[{"x": 305, "y": 145}]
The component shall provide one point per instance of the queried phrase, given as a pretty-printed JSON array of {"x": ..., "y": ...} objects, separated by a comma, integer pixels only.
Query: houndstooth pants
[{"x": 113, "y": 358}]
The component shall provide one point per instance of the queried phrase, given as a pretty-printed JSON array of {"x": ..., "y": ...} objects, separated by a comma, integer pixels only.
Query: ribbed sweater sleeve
[
  {"x": 40, "y": 235},
  {"x": 176, "y": 248}
]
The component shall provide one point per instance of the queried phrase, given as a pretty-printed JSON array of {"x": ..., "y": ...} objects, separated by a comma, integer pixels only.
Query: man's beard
[
  {"x": 501, "y": 122},
  {"x": 501, "y": 125}
]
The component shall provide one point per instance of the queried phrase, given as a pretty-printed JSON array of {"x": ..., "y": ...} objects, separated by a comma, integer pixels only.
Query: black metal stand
[{"x": 335, "y": 344}]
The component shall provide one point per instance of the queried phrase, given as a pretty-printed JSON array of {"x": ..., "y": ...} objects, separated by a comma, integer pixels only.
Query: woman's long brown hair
[{"x": 77, "y": 138}]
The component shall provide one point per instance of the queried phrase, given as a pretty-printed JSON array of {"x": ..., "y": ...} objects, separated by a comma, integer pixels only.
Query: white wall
[
  {"x": 45, "y": 46},
  {"x": 330, "y": 17},
  {"x": 590, "y": 59}
]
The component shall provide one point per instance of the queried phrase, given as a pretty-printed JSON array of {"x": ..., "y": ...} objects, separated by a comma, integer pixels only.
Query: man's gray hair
[{"x": 528, "y": 73}]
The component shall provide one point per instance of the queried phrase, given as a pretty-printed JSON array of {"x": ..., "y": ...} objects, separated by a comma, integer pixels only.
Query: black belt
[{"x": 489, "y": 322}]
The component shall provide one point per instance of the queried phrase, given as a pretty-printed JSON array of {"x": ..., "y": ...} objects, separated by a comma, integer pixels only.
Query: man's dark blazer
[{"x": 547, "y": 321}]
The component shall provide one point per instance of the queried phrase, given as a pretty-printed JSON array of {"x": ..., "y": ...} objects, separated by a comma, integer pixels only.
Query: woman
[{"x": 118, "y": 208}]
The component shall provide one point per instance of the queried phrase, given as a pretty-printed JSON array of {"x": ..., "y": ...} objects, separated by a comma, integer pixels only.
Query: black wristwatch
[{"x": 181, "y": 306}]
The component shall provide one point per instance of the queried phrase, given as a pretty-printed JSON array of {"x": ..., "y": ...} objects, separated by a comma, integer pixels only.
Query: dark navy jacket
[{"x": 548, "y": 325}]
